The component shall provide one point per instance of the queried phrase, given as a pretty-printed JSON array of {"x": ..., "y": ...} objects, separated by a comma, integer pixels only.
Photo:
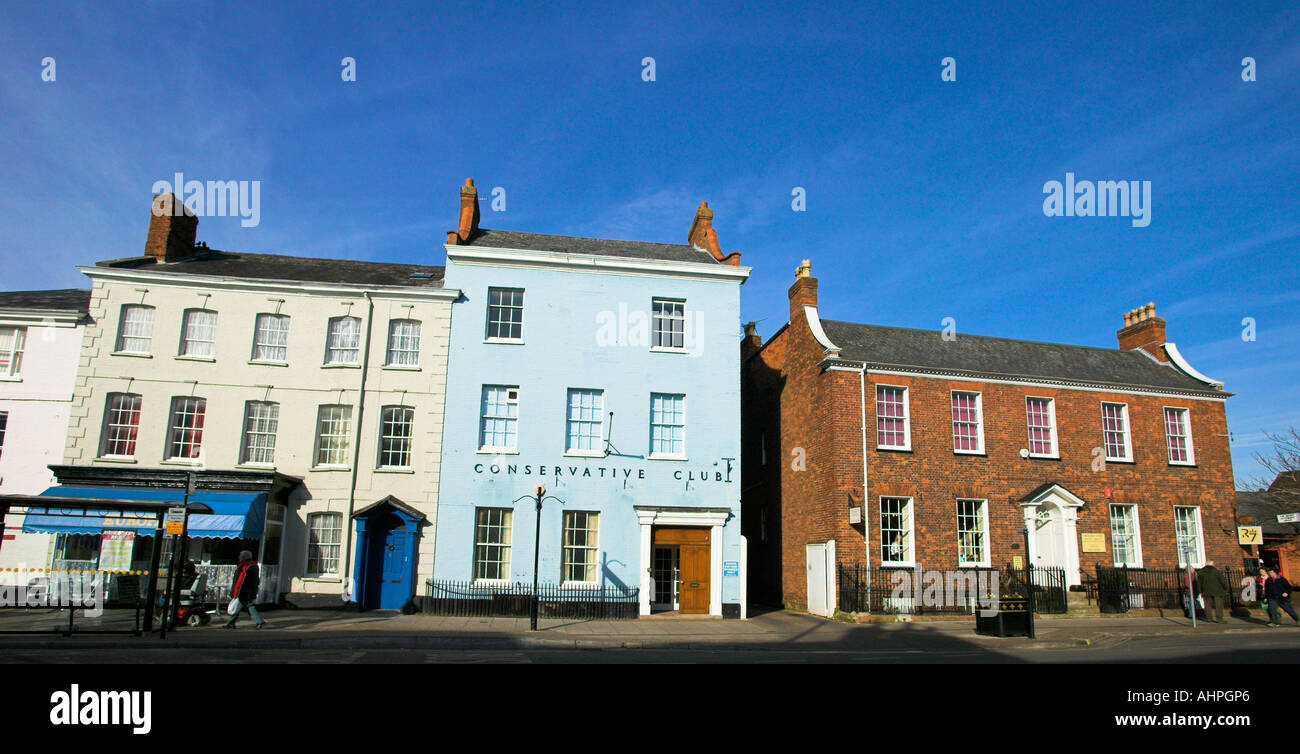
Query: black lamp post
[
  {"x": 1029, "y": 585},
  {"x": 539, "y": 494}
]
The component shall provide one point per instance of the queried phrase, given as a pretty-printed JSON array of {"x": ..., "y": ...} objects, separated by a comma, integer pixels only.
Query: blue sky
[{"x": 924, "y": 197}]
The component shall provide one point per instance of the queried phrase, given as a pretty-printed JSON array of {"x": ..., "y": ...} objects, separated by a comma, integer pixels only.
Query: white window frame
[
  {"x": 507, "y": 528},
  {"x": 384, "y": 437},
  {"x": 334, "y": 335},
  {"x": 979, "y": 422},
  {"x": 1187, "y": 435},
  {"x": 511, "y": 399},
  {"x": 337, "y": 545},
  {"x": 1127, "y": 432},
  {"x": 259, "y": 344},
  {"x": 264, "y": 425},
  {"x": 174, "y": 429},
  {"x": 1051, "y": 427},
  {"x": 907, "y": 417},
  {"x": 986, "y": 539},
  {"x": 145, "y": 332},
  {"x": 409, "y": 349},
  {"x": 108, "y": 425},
  {"x": 679, "y": 316},
  {"x": 13, "y": 367},
  {"x": 909, "y": 533},
  {"x": 488, "y": 337},
  {"x": 1136, "y": 535},
  {"x": 1200, "y": 537},
  {"x": 4, "y": 427},
  {"x": 593, "y": 548},
  {"x": 660, "y": 455},
  {"x": 343, "y": 448},
  {"x": 188, "y": 341},
  {"x": 570, "y": 422}
]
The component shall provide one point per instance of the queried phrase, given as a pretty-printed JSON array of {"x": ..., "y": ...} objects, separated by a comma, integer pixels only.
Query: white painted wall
[
  {"x": 37, "y": 402},
  {"x": 229, "y": 380}
]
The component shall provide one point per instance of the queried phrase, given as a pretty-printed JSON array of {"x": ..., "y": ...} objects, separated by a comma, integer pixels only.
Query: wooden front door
[{"x": 695, "y": 565}]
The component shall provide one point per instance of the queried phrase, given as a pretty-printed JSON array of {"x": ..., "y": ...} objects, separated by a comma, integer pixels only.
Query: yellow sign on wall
[
  {"x": 1250, "y": 535},
  {"x": 1093, "y": 542}
]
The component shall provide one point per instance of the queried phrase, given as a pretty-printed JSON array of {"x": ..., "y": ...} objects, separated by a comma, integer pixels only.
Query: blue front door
[{"x": 389, "y": 569}]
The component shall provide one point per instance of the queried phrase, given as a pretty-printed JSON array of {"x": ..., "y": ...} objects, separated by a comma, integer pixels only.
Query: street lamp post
[
  {"x": 1029, "y": 585},
  {"x": 539, "y": 494}
]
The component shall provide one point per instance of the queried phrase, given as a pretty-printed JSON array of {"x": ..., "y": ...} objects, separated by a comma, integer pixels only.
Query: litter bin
[{"x": 1010, "y": 617}]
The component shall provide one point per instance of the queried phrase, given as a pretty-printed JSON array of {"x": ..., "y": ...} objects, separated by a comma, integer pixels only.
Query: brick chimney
[
  {"x": 1143, "y": 329},
  {"x": 703, "y": 236},
  {"x": 468, "y": 214},
  {"x": 172, "y": 229},
  {"x": 752, "y": 340},
  {"x": 803, "y": 292}
]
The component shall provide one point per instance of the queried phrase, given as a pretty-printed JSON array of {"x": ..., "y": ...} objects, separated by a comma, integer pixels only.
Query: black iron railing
[
  {"x": 918, "y": 591},
  {"x": 468, "y": 599},
  {"x": 1119, "y": 589}
]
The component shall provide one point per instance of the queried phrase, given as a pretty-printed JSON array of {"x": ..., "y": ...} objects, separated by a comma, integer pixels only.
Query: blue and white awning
[{"x": 235, "y": 515}]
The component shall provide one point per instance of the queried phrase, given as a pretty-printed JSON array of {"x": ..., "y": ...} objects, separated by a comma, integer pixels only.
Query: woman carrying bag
[{"x": 243, "y": 591}]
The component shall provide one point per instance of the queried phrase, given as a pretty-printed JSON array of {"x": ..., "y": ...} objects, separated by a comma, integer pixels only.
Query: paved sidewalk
[{"x": 308, "y": 629}]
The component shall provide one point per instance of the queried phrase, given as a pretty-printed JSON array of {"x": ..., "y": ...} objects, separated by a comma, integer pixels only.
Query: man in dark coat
[
  {"x": 1278, "y": 591},
  {"x": 1213, "y": 586},
  {"x": 244, "y": 589}
]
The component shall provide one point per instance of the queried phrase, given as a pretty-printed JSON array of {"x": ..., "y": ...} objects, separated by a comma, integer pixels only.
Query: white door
[
  {"x": 1049, "y": 539},
  {"x": 818, "y": 604}
]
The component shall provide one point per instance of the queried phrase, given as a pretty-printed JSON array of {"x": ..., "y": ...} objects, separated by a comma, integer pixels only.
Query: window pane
[
  {"x": 891, "y": 417},
  {"x": 261, "y": 420},
  {"x": 492, "y": 544},
  {"x": 1115, "y": 431},
  {"x": 1176, "y": 435},
  {"x": 895, "y": 530},
  {"x": 185, "y": 439},
  {"x": 1123, "y": 535},
  {"x": 395, "y": 430},
  {"x": 579, "y": 551},
  {"x": 271, "y": 338},
  {"x": 199, "y": 333},
  {"x": 135, "y": 333},
  {"x": 669, "y": 323},
  {"x": 585, "y": 420},
  {"x": 12, "y": 340},
  {"x": 500, "y": 416},
  {"x": 404, "y": 343},
  {"x": 667, "y": 424},
  {"x": 1038, "y": 416},
  {"x": 966, "y": 421},
  {"x": 505, "y": 317},
  {"x": 324, "y": 539},
  {"x": 333, "y": 435},
  {"x": 121, "y": 423},
  {"x": 343, "y": 345},
  {"x": 971, "y": 543}
]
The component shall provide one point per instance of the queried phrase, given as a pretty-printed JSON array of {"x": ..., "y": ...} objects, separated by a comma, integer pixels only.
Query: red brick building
[{"x": 956, "y": 444}]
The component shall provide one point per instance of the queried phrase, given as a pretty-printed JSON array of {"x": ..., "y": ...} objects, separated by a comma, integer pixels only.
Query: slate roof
[
  {"x": 666, "y": 252},
  {"x": 980, "y": 355},
  {"x": 1262, "y": 509},
  {"x": 296, "y": 269},
  {"x": 62, "y": 300}
]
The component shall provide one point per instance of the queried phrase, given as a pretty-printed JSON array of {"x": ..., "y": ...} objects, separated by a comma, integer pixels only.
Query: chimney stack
[
  {"x": 803, "y": 292},
  {"x": 703, "y": 236},
  {"x": 752, "y": 340},
  {"x": 468, "y": 214},
  {"x": 1143, "y": 329},
  {"x": 172, "y": 229}
]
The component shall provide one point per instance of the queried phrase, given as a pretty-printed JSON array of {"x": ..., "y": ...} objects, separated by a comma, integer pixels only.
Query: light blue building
[{"x": 609, "y": 372}]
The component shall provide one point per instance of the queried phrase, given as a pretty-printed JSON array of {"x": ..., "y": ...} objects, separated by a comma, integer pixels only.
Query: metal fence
[
  {"x": 914, "y": 591},
  {"x": 1118, "y": 589},
  {"x": 463, "y": 598}
]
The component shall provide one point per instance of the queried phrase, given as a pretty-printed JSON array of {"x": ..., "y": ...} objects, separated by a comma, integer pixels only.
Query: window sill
[
  {"x": 503, "y": 342},
  {"x": 395, "y": 470},
  {"x": 974, "y": 565},
  {"x": 898, "y": 565},
  {"x": 331, "y": 468},
  {"x": 323, "y": 579},
  {"x": 662, "y": 457},
  {"x": 584, "y": 454},
  {"x": 660, "y": 349},
  {"x": 116, "y": 459},
  {"x": 195, "y": 358},
  {"x": 1121, "y": 460},
  {"x": 976, "y": 453},
  {"x": 132, "y": 354},
  {"x": 1183, "y": 464},
  {"x": 497, "y": 451},
  {"x": 400, "y": 368},
  {"x": 264, "y": 363},
  {"x": 181, "y": 462},
  {"x": 340, "y": 366},
  {"x": 895, "y": 448},
  {"x": 1040, "y": 457},
  {"x": 258, "y": 466},
  {"x": 6, "y": 378}
]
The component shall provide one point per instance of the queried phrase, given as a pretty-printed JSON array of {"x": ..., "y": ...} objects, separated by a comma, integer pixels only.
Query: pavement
[{"x": 775, "y": 630}]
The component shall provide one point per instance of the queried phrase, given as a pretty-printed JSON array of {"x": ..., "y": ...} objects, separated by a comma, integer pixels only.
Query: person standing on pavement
[
  {"x": 244, "y": 590},
  {"x": 1278, "y": 591},
  {"x": 1213, "y": 586}
]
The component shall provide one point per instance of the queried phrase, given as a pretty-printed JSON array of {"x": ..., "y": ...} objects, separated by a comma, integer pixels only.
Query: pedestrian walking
[
  {"x": 1278, "y": 591},
  {"x": 1213, "y": 586},
  {"x": 243, "y": 590}
]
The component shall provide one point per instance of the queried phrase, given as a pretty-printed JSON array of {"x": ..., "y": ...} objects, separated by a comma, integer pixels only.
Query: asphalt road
[{"x": 1224, "y": 648}]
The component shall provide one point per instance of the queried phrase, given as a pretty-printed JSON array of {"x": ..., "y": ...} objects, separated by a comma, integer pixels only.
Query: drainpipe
[
  {"x": 346, "y": 563},
  {"x": 866, "y": 496}
]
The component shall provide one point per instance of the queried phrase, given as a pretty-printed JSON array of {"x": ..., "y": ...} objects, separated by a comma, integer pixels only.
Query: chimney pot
[{"x": 1143, "y": 329}]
